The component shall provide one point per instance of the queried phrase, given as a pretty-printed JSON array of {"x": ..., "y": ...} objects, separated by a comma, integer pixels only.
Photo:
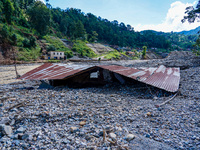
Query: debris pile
[
  {"x": 95, "y": 118},
  {"x": 181, "y": 59},
  {"x": 113, "y": 116}
]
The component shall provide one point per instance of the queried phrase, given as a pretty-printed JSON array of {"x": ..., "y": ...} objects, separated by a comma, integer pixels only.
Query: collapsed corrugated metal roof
[{"x": 160, "y": 77}]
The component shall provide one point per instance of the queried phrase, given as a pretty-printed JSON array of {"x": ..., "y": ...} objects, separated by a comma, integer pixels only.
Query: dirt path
[{"x": 8, "y": 75}]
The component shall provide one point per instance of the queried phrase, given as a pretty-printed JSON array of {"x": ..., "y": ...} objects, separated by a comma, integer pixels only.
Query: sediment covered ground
[{"x": 112, "y": 116}]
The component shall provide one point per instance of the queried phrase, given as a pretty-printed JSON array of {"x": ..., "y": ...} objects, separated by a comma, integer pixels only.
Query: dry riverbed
[
  {"x": 108, "y": 117},
  {"x": 8, "y": 74}
]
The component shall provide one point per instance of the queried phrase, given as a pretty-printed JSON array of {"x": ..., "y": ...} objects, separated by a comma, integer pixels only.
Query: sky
[{"x": 159, "y": 15}]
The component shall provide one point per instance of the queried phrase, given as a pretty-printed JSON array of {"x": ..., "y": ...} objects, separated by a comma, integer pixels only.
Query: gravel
[
  {"x": 66, "y": 118},
  {"x": 109, "y": 117}
]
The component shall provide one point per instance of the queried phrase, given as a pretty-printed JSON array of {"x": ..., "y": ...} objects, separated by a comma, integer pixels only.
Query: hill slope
[{"x": 191, "y": 32}]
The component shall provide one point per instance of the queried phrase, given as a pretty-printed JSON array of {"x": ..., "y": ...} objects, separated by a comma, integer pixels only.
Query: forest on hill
[{"x": 31, "y": 26}]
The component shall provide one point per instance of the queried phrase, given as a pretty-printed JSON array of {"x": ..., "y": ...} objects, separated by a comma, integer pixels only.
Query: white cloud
[{"x": 173, "y": 19}]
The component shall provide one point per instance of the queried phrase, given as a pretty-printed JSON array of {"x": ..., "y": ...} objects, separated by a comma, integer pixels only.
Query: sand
[{"x": 8, "y": 74}]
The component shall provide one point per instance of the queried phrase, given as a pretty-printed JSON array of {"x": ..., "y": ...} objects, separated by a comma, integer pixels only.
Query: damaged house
[{"x": 83, "y": 75}]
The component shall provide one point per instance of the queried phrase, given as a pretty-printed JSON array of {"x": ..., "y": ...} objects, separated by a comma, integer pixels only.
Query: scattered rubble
[{"x": 114, "y": 116}]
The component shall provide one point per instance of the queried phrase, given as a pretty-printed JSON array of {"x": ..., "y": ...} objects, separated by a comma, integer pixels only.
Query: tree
[
  {"x": 192, "y": 13},
  {"x": 144, "y": 52},
  {"x": 64, "y": 25},
  {"x": 79, "y": 30},
  {"x": 22, "y": 4},
  {"x": 39, "y": 16},
  {"x": 8, "y": 10},
  {"x": 93, "y": 37},
  {"x": 4, "y": 34},
  {"x": 1, "y": 7}
]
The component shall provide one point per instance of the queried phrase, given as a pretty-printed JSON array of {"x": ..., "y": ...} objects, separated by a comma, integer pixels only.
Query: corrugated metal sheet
[
  {"x": 161, "y": 77},
  {"x": 50, "y": 71}
]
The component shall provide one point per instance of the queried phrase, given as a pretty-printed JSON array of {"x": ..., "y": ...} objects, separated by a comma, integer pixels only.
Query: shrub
[
  {"x": 26, "y": 43},
  {"x": 33, "y": 41},
  {"x": 113, "y": 55},
  {"x": 4, "y": 32},
  {"x": 69, "y": 54},
  {"x": 81, "y": 48},
  {"x": 14, "y": 39},
  {"x": 51, "y": 48}
]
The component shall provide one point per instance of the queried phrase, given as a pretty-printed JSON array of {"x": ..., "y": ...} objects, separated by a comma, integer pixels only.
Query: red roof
[{"x": 160, "y": 77}]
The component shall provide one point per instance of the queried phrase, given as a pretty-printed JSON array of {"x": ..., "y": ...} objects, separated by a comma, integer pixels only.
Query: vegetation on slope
[
  {"x": 55, "y": 44},
  {"x": 81, "y": 48},
  {"x": 24, "y": 23}
]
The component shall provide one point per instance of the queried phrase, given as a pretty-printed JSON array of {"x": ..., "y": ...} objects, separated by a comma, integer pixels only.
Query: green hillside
[{"x": 31, "y": 28}]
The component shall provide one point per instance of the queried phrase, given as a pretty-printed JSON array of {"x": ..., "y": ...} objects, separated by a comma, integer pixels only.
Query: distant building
[{"x": 56, "y": 55}]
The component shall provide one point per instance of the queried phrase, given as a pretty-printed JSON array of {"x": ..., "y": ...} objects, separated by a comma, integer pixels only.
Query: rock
[
  {"x": 21, "y": 130},
  {"x": 6, "y": 130},
  {"x": 5, "y": 120},
  {"x": 82, "y": 123},
  {"x": 20, "y": 136},
  {"x": 12, "y": 99},
  {"x": 108, "y": 128},
  {"x": 62, "y": 94},
  {"x": 129, "y": 137},
  {"x": 148, "y": 114},
  {"x": 193, "y": 137},
  {"x": 155, "y": 97},
  {"x": 24, "y": 146},
  {"x": 16, "y": 142},
  {"x": 119, "y": 129},
  {"x": 12, "y": 122},
  {"x": 88, "y": 137},
  {"x": 100, "y": 133},
  {"x": 23, "y": 136},
  {"x": 81, "y": 133},
  {"x": 73, "y": 129},
  {"x": 112, "y": 135},
  {"x": 65, "y": 141},
  {"x": 4, "y": 139},
  {"x": 1, "y": 104},
  {"x": 15, "y": 136},
  {"x": 147, "y": 135}
]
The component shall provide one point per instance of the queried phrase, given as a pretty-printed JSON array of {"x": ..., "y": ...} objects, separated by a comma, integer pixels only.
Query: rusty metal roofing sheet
[
  {"x": 160, "y": 77},
  {"x": 49, "y": 71}
]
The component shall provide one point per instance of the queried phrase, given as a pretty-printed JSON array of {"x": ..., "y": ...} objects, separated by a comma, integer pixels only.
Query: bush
[
  {"x": 4, "y": 32},
  {"x": 51, "y": 48},
  {"x": 81, "y": 48},
  {"x": 22, "y": 21},
  {"x": 26, "y": 43},
  {"x": 113, "y": 55},
  {"x": 27, "y": 54},
  {"x": 14, "y": 39},
  {"x": 69, "y": 54},
  {"x": 33, "y": 41}
]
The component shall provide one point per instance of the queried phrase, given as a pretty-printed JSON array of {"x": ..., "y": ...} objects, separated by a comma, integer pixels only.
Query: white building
[{"x": 56, "y": 55}]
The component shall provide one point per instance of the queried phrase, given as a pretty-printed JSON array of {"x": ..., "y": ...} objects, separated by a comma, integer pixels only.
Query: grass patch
[
  {"x": 28, "y": 54},
  {"x": 53, "y": 61},
  {"x": 113, "y": 55},
  {"x": 81, "y": 48},
  {"x": 55, "y": 44}
]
